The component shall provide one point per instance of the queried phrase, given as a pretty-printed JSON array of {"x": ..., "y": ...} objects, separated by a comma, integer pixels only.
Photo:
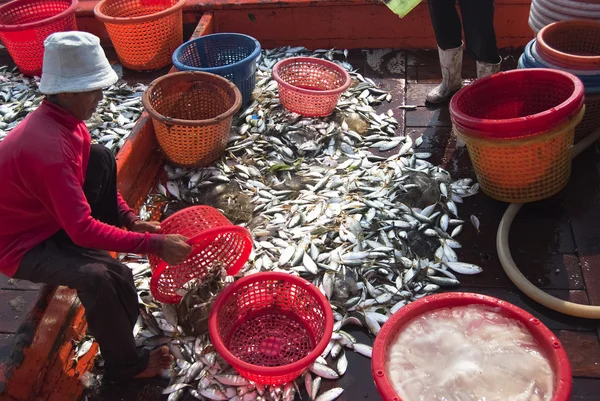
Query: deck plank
[
  {"x": 583, "y": 351},
  {"x": 14, "y": 307}
]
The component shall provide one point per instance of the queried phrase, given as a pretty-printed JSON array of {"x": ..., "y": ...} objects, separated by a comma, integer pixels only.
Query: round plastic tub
[
  {"x": 519, "y": 128},
  {"x": 271, "y": 326},
  {"x": 145, "y": 33},
  {"x": 215, "y": 242},
  {"x": 571, "y": 44},
  {"x": 310, "y": 86},
  {"x": 25, "y": 24},
  {"x": 545, "y": 338},
  {"x": 591, "y": 118},
  {"x": 230, "y": 55},
  {"x": 192, "y": 114}
]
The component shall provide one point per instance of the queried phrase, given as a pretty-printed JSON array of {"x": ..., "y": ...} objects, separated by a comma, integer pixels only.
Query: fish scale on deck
[{"x": 372, "y": 232}]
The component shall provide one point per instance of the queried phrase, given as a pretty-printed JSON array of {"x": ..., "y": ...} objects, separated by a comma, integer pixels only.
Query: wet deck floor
[{"x": 555, "y": 242}]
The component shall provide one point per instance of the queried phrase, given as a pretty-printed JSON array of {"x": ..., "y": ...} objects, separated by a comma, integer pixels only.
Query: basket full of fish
[{"x": 463, "y": 346}]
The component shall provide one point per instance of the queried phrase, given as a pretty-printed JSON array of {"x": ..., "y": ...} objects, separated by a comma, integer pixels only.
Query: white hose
[{"x": 515, "y": 275}]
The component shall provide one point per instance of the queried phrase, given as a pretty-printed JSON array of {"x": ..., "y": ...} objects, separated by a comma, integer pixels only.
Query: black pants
[
  {"x": 478, "y": 24},
  {"x": 104, "y": 286}
]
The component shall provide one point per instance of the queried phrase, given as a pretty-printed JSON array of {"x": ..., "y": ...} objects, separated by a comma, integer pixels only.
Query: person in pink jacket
[{"x": 60, "y": 211}]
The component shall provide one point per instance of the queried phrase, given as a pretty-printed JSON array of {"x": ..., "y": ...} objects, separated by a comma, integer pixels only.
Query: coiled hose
[{"x": 515, "y": 275}]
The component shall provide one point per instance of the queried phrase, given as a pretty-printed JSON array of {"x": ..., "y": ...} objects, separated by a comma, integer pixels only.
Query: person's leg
[
  {"x": 480, "y": 36},
  {"x": 105, "y": 288},
  {"x": 447, "y": 27},
  {"x": 100, "y": 185},
  {"x": 446, "y": 23}
]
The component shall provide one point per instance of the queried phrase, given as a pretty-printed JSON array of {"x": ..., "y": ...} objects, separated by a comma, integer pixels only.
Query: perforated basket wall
[
  {"x": 571, "y": 44},
  {"x": 271, "y": 326},
  {"x": 526, "y": 169},
  {"x": 591, "y": 119},
  {"x": 25, "y": 24},
  {"x": 144, "y": 33},
  {"x": 192, "y": 113},
  {"x": 215, "y": 242},
  {"x": 310, "y": 86},
  {"x": 230, "y": 55}
]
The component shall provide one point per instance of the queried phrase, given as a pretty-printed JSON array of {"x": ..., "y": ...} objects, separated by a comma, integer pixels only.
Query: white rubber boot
[
  {"x": 451, "y": 63},
  {"x": 487, "y": 69}
]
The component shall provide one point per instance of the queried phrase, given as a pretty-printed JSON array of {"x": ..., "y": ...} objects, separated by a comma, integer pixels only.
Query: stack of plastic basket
[
  {"x": 544, "y": 12},
  {"x": 518, "y": 127},
  {"x": 571, "y": 46}
]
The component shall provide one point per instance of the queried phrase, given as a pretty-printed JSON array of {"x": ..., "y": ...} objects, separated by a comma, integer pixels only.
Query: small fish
[
  {"x": 231, "y": 380},
  {"x": 83, "y": 348},
  {"x": 475, "y": 222},
  {"x": 330, "y": 395},
  {"x": 363, "y": 349},
  {"x": 464, "y": 268},
  {"x": 323, "y": 371},
  {"x": 342, "y": 364},
  {"x": 175, "y": 387}
]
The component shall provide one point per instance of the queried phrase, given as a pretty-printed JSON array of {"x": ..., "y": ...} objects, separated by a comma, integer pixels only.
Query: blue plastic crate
[{"x": 230, "y": 55}]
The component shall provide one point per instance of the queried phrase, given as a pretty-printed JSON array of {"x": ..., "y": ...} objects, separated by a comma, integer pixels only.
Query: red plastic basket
[
  {"x": 310, "y": 86},
  {"x": 25, "y": 24},
  {"x": 213, "y": 238},
  {"x": 547, "y": 340},
  {"x": 517, "y": 103},
  {"x": 271, "y": 326}
]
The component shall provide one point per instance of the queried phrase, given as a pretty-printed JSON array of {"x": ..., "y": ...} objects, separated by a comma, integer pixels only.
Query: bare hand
[
  {"x": 140, "y": 226},
  {"x": 175, "y": 250}
]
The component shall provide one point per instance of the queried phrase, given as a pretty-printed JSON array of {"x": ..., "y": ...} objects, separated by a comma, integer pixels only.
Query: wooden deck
[{"x": 556, "y": 242}]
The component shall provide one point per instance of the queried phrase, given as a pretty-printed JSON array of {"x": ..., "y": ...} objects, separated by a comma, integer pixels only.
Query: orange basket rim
[
  {"x": 35, "y": 24},
  {"x": 270, "y": 370},
  {"x": 189, "y": 76},
  {"x": 135, "y": 20},
  {"x": 572, "y": 59},
  {"x": 314, "y": 60}
]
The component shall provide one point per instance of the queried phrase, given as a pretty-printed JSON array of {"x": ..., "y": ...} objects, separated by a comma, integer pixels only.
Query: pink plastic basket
[
  {"x": 310, "y": 86},
  {"x": 271, "y": 326},
  {"x": 213, "y": 238}
]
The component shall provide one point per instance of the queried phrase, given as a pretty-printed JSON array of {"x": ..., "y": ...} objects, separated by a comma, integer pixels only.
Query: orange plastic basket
[
  {"x": 214, "y": 240},
  {"x": 25, "y": 24},
  {"x": 145, "y": 33},
  {"x": 192, "y": 113},
  {"x": 591, "y": 119},
  {"x": 573, "y": 44},
  {"x": 525, "y": 169},
  {"x": 310, "y": 86}
]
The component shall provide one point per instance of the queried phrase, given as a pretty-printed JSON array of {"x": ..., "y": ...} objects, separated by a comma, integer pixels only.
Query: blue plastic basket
[{"x": 230, "y": 55}]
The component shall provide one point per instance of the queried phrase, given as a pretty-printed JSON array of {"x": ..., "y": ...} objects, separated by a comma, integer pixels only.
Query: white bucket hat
[{"x": 75, "y": 62}]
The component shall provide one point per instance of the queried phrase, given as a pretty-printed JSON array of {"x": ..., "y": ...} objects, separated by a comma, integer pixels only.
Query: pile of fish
[
  {"x": 340, "y": 201},
  {"x": 116, "y": 115}
]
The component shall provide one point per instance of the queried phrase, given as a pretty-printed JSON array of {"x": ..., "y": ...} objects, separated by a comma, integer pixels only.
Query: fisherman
[
  {"x": 480, "y": 38},
  {"x": 60, "y": 211}
]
